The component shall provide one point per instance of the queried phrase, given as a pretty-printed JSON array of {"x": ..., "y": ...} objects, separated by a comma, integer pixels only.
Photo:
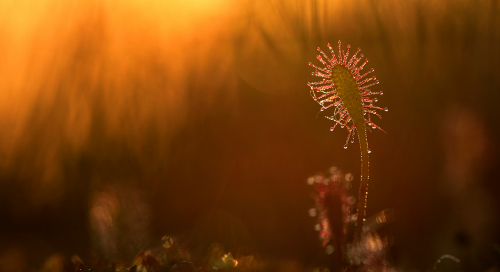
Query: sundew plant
[{"x": 346, "y": 90}]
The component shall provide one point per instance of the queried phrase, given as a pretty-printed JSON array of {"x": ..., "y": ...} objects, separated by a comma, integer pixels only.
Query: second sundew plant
[{"x": 345, "y": 89}]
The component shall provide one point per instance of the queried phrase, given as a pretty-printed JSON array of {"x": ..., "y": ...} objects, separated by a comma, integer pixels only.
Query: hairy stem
[{"x": 363, "y": 185}]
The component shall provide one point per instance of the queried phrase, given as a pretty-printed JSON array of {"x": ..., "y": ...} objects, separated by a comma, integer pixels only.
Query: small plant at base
[
  {"x": 333, "y": 210},
  {"x": 345, "y": 89}
]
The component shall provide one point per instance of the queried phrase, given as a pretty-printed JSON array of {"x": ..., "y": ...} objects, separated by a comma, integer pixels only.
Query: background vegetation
[{"x": 123, "y": 121}]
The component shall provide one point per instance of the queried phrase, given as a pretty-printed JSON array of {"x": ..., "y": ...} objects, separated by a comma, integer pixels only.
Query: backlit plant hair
[{"x": 345, "y": 89}]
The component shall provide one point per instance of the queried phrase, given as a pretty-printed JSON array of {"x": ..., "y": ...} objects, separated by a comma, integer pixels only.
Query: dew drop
[
  {"x": 329, "y": 249},
  {"x": 312, "y": 212},
  {"x": 345, "y": 146},
  {"x": 310, "y": 180},
  {"x": 369, "y": 150},
  {"x": 331, "y": 129},
  {"x": 322, "y": 109},
  {"x": 386, "y": 109}
]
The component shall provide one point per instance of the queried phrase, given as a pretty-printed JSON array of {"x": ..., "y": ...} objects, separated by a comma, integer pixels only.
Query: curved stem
[{"x": 363, "y": 186}]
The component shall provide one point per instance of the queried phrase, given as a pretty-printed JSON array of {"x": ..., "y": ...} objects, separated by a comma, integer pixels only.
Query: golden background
[{"x": 123, "y": 121}]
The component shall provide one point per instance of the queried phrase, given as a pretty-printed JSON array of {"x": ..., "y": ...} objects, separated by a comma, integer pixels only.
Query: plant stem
[{"x": 363, "y": 185}]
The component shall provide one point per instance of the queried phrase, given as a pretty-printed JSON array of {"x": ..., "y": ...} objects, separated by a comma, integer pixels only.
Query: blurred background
[{"x": 123, "y": 121}]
